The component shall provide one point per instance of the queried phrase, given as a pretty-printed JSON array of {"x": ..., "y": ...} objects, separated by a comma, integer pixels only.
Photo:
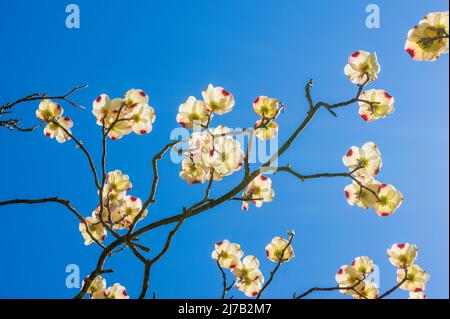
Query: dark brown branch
[
  {"x": 390, "y": 291},
  {"x": 85, "y": 151},
  {"x": 225, "y": 286},
  {"x": 150, "y": 262},
  {"x": 203, "y": 206},
  {"x": 310, "y": 291},
  {"x": 63, "y": 202},
  {"x": 13, "y": 124}
]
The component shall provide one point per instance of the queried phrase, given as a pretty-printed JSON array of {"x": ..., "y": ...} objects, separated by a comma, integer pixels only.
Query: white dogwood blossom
[
  {"x": 417, "y": 295},
  {"x": 265, "y": 131},
  {"x": 279, "y": 248},
  {"x": 116, "y": 291},
  {"x": 429, "y": 39},
  {"x": 97, "y": 288},
  {"x": 402, "y": 255},
  {"x": 213, "y": 152},
  {"x": 120, "y": 117},
  {"x": 375, "y": 104},
  {"x": 193, "y": 172},
  {"x": 364, "y": 197},
  {"x": 259, "y": 191},
  {"x": 228, "y": 254},
  {"x": 362, "y": 67},
  {"x": 193, "y": 113},
  {"x": 416, "y": 278},
  {"x": 265, "y": 107},
  {"x": 367, "y": 160},
  {"x": 363, "y": 265},
  {"x": 95, "y": 228},
  {"x": 365, "y": 290},
  {"x": 135, "y": 97},
  {"x": 389, "y": 200},
  {"x": 48, "y": 110},
  {"x": 59, "y": 129},
  {"x": 117, "y": 184},
  {"x": 348, "y": 276},
  {"x": 249, "y": 278},
  {"x": 218, "y": 100}
]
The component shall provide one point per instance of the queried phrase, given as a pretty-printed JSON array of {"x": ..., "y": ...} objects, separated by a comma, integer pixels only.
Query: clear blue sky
[{"x": 173, "y": 49}]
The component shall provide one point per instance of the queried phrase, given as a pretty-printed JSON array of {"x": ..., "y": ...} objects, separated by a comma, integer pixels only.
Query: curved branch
[{"x": 63, "y": 202}]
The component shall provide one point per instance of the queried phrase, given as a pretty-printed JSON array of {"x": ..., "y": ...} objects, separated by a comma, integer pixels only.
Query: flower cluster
[
  {"x": 249, "y": 278},
  {"x": 352, "y": 279},
  {"x": 374, "y": 104},
  {"x": 57, "y": 127},
  {"x": 212, "y": 153},
  {"x": 98, "y": 290},
  {"x": 258, "y": 191},
  {"x": 429, "y": 39},
  {"x": 403, "y": 256},
  {"x": 118, "y": 210},
  {"x": 365, "y": 191},
  {"x": 268, "y": 109},
  {"x": 121, "y": 116},
  {"x": 196, "y": 114}
]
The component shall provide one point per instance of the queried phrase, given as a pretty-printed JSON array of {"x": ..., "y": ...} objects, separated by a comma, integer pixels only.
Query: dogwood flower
[
  {"x": 218, "y": 100},
  {"x": 265, "y": 106},
  {"x": 364, "y": 197},
  {"x": 251, "y": 285},
  {"x": 48, "y": 110},
  {"x": 129, "y": 210},
  {"x": 193, "y": 113},
  {"x": 106, "y": 110},
  {"x": 120, "y": 117},
  {"x": 363, "y": 265},
  {"x": 249, "y": 278},
  {"x": 279, "y": 248},
  {"x": 416, "y": 278},
  {"x": 362, "y": 67},
  {"x": 212, "y": 153},
  {"x": 366, "y": 290},
  {"x": 259, "y": 191},
  {"x": 348, "y": 276},
  {"x": 117, "y": 185},
  {"x": 226, "y": 156},
  {"x": 136, "y": 97},
  {"x": 248, "y": 266},
  {"x": 429, "y": 39},
  {"x": 95, "y": 228},
  {"x": 402, "y": 255},
  {"x": 379, "y": 105},
  {"x": 417, "y": 295},
  {"x": 193, "y": 172},
  {"x": 116, "y": 291},
  {"x": 389, "y": 200},
  {"x": 367, "y": 160},
  {"x": 59, "y": 129},
  {"x": 97, "y": 288},
  {"x": 266, "y": 131},
  {"x": 228, "y": 254},
  {"x": 142, "y": 119}
]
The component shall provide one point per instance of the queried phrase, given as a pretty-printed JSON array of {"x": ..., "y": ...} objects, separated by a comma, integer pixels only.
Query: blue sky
[{"x": 173, "y": 49}]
